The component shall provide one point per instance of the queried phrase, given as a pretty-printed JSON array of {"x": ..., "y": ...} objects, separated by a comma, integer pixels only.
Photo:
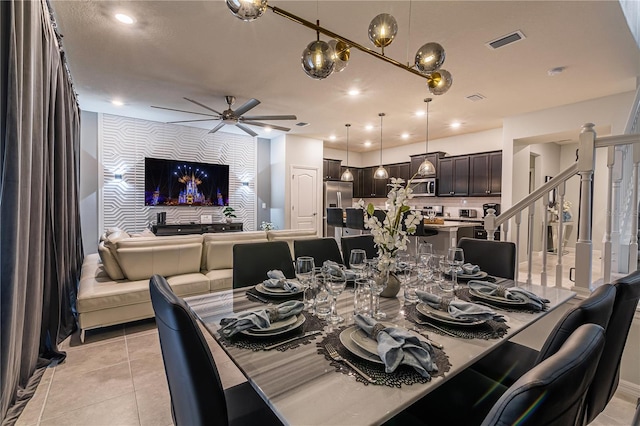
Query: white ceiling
[{"x": 197, "y": 49}]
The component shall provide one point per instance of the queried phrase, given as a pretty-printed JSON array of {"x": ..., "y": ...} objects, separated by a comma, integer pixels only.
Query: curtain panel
[{"x": 40, "y": 237}]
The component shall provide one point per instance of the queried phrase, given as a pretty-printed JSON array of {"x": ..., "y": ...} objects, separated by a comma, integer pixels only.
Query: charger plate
[
  {"x": 300, "y": 319},
  {"x": 445, "y": 318}
]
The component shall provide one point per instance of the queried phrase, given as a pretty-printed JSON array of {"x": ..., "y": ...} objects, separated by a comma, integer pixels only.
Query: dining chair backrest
[
  {"x": 364, "y": 242},
  {"x": 607, "y": 375},
  {"x": 380, "y": 214},
  {"x": 552, "y": 393},
  {"x": 497, "y": 258},
  {"x": 252, "y": 261},
  {"x": 335, "y": 217},
  {"x": 320, "y": 249},
  {"x": 355, "y": 218},
  {"x": 197, "y": 395}
]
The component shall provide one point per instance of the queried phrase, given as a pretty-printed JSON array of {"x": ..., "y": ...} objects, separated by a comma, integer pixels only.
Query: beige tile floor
[{"x": 117, "y": 378}]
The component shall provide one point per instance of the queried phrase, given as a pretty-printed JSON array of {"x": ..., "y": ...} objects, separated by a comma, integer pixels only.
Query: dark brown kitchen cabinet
[
  {"x": 416, "y": 160},
  {"x": 357, "y": 181},
  {"x": 453, "y": 176},
  {"x": 331, "y": 169},
  {"x": 485, "y": 174},
  {"x": 373, "y": 188},
  {"x": 400, "y": 170}
]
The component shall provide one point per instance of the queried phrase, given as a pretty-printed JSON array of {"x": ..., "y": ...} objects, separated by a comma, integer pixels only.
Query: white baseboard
[{"x": 629, "y": 390}]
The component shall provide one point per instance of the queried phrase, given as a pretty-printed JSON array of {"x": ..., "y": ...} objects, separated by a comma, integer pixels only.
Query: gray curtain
[{"x": 40, "y": 240}]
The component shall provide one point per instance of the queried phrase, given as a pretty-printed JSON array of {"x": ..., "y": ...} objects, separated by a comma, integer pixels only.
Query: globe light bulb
[
  {"x": 317, "y": 60},
  {"x": 247, "y": 10}
]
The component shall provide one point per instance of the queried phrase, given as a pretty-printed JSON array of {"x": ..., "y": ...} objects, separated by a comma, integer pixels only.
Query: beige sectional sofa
[{"x": 114, "y": 283}]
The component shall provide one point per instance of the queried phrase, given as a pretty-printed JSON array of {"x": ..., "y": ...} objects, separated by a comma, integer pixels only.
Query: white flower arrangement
[
  {"x": 388, "y": 236},
  {"x": 267, "y": 226}
]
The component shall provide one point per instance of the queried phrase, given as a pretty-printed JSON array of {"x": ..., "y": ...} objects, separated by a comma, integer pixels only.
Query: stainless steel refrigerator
[{"x": 336, "y": 194}]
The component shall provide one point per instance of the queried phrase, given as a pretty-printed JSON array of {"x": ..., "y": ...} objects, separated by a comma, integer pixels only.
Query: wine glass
[
  {"x": 424, "y": 248},
  {"x": 304, "y": 273},
  {"x": 455, "y": 257},
  {"x": 335, "y": 280},
  {"x": 424, "y": 267},
  {"x": 358, "y": 261},
  {"x": 404, "y": 271},
  {"x": 378, "y": 284}
]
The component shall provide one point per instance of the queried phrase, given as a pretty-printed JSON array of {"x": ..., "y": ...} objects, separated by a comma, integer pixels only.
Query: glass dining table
[{"x": 303, "y": 386}]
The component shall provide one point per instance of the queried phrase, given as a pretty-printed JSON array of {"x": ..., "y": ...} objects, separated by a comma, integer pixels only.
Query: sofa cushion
[
  {"x": 220, "y": 279},
  {"x": 95, "y": 294},
  {"x": 110, "y": 263},
  {"x": 138, "y": 263},
  {"x": 289, "y": 235},
  {"x": 218, "y": 248}
]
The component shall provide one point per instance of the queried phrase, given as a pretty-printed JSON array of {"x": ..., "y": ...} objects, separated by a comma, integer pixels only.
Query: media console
[{"x": 195, "y": 228}]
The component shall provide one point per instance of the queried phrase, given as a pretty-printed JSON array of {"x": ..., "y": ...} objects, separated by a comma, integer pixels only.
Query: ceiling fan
[{"x": 234, "y": 117}]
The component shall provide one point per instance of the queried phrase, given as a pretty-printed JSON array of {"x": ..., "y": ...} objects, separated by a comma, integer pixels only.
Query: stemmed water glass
[
  {"x": 358, "y": 261},
  {"x": 404, "y": 271},
  {"x": 335, "y": 280},
  {"x": 455, "y": 258},
  {"x": 378, "y": 283},
  {"x": 304, "y": 273}
]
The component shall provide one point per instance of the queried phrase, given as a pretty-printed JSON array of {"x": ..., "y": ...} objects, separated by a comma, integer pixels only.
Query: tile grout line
[{"x": 133, "y": 385}]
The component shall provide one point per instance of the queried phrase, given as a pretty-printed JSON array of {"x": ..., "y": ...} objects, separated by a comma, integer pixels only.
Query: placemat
[
  {"x": 404, "y": 375},
  {"x": 464, "y": 294},
  {"x": 489, "y": 330},
  {"x": 311, "y": 323}
]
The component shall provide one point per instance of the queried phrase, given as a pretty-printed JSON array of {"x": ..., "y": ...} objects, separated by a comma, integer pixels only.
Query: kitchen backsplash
[{"x": 451, "y": 205}]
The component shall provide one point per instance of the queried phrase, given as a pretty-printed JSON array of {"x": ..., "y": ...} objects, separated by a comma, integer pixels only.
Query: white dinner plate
[
  {"x": 445, "y": 317},
  {"x": 495, "y": 299},
  {"x": 300, "y": 319},
  {"x": 285, "y": 323},
  {"x": 275, "y": 292},
  {"x": 475, "y": 276},
  {"x": 350, "y": 345}
]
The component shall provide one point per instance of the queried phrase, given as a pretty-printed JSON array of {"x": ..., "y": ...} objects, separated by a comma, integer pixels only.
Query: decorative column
[
  {"x": 633, "y": 243},
  {"x": 606, "y": 245},
  {"x": 559, "y": 270},
  {"x": 584, "y": 246}
]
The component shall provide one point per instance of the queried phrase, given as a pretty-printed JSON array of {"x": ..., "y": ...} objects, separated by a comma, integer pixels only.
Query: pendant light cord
[
  {"x": 348, "y": 125},
  {"x": 428, "y": 101},
  {"x": 381, "y": 115}
]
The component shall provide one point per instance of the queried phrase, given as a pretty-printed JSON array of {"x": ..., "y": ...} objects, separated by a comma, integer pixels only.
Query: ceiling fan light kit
[{"x": 320, "y": 59}]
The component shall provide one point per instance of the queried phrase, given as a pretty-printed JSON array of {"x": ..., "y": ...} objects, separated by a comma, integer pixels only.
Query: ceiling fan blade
[
  {"x": 182, "y": 110},
  {"x": 271, "y": 117},
  {"x": 246, "y": 129},
  {"x": 255, "y": 123},
  {"x": 203, "y": 106},
  {"x": 191, "y": 121},
  {"x": 251, "y": 103},
  {"x": 218, "y": 127}
]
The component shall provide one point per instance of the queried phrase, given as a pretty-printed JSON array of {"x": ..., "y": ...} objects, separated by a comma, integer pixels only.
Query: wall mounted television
[{"x": 185, "y": 183}]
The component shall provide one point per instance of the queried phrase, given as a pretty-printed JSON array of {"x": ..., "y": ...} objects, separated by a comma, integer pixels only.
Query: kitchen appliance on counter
[
  {"x": 467, "y": 213},
  {"x": 479, "y": 231},
  {"x": 438, "y": 211},
  {"x": 424, "y": 187},
  {"x": 336, "y": 194}
]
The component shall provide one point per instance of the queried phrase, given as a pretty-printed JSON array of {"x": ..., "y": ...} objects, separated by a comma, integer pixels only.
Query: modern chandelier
[
  {"x": 427, "y": 168},
  {"x": 320, "y": 59}
]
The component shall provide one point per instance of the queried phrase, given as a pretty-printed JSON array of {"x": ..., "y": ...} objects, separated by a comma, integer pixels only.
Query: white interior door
[{"x": 304, "y": 198}]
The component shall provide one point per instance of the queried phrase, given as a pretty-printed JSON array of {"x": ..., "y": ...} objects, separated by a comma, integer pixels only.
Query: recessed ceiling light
[
  {"x": 367, "y": 143},
  {"x": 117, "y": 102},
  {"x": 125, "y": 19},
  {"x": 368, "y": 127},
  {"x": 420, "y": 113},
  {"x": 332, "y": 137},
  {"x": 455, "y": 124},
  {"x": 354, "y": 92},
  {"x": 405, "y": 136},
  {"x": 555, "y": 71}
]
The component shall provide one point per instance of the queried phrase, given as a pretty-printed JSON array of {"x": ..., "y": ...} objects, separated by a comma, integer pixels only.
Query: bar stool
[
  {"x": 355, "y": 219},
  {"x": 335, "y": 218}
]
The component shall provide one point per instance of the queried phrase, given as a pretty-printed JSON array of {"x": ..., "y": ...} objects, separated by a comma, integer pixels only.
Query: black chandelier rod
[{"x": 350, "y": 43}]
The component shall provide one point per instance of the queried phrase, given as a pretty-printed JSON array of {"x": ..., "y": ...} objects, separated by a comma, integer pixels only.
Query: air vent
[
  {"x": 505, "y": 40},
  {"x": 302, "y": 124},
  {"x": 475, "y": 97}
]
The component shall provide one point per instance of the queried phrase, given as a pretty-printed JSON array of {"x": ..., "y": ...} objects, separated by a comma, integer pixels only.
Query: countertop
[{"x": 450, "y": 224}]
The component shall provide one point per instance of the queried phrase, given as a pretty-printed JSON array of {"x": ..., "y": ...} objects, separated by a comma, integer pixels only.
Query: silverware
[
  {"x": 307, "y": 334},
  {"x": 258, "y": 298},
  {"x": 333, "y": 353},
  {"x": 419, "y": 321}
]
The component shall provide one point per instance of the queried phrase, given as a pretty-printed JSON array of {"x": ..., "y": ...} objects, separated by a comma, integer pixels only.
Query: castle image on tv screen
[{"x": 185, "y": 183}]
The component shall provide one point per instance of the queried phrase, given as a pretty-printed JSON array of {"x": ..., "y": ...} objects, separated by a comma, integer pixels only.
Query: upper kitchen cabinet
[
  {"x": 485, "y": 174},
  {"x": 400, "y": 170},
  {"x": 357, "y": 181},
  {"x": 453, "y": 176},
  {"x": 331, "y": 169},
  {"x": 416, "y": 160}
]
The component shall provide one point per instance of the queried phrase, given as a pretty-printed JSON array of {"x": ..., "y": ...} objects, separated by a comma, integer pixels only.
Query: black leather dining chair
[
  {"x": 553, "y": 392},
  {"x": 355, "y": 219},
  {"x": 335, "y": 217},
  {"x": 252, "y": 261},
  {"x": 364, "y": 242},
  {"x": 497, "y": 258},
  {"x": 320, "y": 249},
  {"x": 607, "y": 375},
  {"x": 197, "y": 395}
]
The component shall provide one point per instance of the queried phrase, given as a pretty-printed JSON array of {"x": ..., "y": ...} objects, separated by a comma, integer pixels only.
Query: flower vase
[{"x": 393, "y": 284}]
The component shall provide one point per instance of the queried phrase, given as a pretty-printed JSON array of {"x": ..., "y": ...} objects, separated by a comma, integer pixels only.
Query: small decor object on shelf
[
  {"x": 267, "y": 226},
  {"x": 566, "y": 211},
  {"x": 391, "y": 235},
  {"x": 229, "y": 214}
]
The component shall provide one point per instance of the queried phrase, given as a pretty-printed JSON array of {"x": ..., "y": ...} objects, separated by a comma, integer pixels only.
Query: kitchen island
[{"x": 448, "y": 234}]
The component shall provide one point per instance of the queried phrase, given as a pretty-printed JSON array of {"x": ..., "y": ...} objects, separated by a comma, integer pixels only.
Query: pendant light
[
  {"x": 381, "y": 172},
  {"x": 427, "y": 168},
  {"x": 347, "y": 176}
]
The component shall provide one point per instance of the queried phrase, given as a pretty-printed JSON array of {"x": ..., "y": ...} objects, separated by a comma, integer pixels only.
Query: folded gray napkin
[
  {"x": 332, "y": 268},
  {"x": 460, "y": 309},
  {"x": 470, "y": 268},
  {"x": 278, "y": 280},
  {"x": 510, "y": 293},
  {"x": 261, "y": 318},
  {"x": 397, "y": 346}
]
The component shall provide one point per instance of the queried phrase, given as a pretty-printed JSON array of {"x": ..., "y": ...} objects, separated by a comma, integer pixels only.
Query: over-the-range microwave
[{"x": 424, "y": 187}]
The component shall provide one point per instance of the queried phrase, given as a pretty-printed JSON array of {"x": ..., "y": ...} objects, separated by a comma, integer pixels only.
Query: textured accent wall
[{"x": 124, "y": 144}]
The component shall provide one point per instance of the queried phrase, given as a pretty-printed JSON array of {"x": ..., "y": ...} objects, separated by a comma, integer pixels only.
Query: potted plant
[{"x": 229, "y": 214}]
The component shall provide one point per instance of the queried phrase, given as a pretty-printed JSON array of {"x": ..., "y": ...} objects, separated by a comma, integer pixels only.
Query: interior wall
[
  {"x": 123, "y": 144},
  {"x": 547, "y": 164},
  {"x": 263, "y": 182},
  {"x": 89, "y": 170},
  {"x": 278, "y": 169},
  {"x": 355, "y": 158}
]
